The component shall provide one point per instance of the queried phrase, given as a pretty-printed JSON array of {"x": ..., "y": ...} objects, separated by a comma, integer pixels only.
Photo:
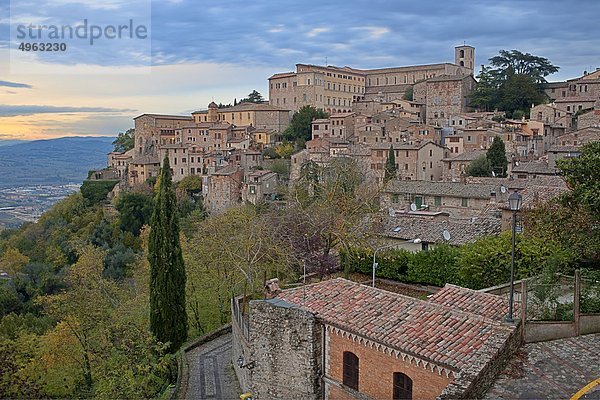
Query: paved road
[
  {"x": 557, "y": 369},
  {"x": 211, "y": 375}
]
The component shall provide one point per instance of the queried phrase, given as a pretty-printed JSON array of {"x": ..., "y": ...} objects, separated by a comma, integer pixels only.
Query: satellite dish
[
  {"x": 502, "y": 189},
  {"x": 413, "y": 207},
  {"x": 391, "y": 212},
  {"x": 446, "y": 235},
  {"x": 493, "y": 174},
  {"x": 516, "y": 163}
]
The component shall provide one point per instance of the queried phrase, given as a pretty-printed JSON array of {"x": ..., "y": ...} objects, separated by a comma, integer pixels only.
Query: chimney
[{"x": 272, "y": 288}]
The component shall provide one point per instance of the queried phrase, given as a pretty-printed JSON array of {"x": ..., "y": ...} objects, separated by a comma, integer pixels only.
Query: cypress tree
[
  {"x": 390, "y": 165},
  {"x": 168, "y": 318},
  {"x": 496, "y": 156}
]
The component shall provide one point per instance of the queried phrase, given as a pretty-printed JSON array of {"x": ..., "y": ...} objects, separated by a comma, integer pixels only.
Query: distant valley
[{"x": 54, "y": 161}]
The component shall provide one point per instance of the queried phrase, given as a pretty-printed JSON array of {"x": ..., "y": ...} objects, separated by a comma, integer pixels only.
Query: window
[
  {"x": 350, "y": 378},
  {"x": 402, "y": 387},
  {"x": 464, "y": 202},
  {"x": 437, "y": 200},
  {"x": 252, "y": 189}
]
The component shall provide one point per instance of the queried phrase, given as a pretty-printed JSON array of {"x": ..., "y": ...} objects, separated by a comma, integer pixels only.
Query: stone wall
[
  {"x": 479, "y": 377},
  {"x": 286, "y": 349}
]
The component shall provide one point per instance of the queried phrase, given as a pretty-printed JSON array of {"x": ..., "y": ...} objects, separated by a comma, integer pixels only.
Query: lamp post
[
  {"x": 375, "y": 264},
  {"x": 514, "y": 203}
]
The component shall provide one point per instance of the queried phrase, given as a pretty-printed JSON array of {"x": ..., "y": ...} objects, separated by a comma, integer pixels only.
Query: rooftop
[
  {"x": 405, "y": 226},
  {"x": 453, "y": 189},
  {"x": 440, "y": 334},
  {"x": 472, "y": 301}
]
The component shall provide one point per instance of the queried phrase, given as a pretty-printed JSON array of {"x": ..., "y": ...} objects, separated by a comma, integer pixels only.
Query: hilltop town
[{"x": 420, "y": 113}]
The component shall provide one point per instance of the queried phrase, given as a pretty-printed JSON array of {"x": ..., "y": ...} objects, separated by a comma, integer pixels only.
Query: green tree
[
  {"x": 582, "y": 175},
  {"x": 301, "y": 124},
  {"x": 479, "y": 167},
  {"x": 168, "y": 317},
  {"x": 513, "y": 82},
  {"x": 135, "y": 210},
  {"x": 408, "y": 94},
  {"x": 390, "y": 165},
  {"x": 253, "y": 97},
  {"x": 124, "y": 141},
  {"x": 496, "y": 157}
]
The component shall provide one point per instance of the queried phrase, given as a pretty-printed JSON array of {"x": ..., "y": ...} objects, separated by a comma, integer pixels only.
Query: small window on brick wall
[{"x": 402, "y": 386}]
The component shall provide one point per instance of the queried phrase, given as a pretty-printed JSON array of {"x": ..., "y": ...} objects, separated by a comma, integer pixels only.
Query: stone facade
[
  {"x": 420, "y": 161},
  {"x": 444, "y": 96},
  {"x": 336, "y": 89},
  {"x": 286, "y": 349},
  {"x": 224, "y": 189}
]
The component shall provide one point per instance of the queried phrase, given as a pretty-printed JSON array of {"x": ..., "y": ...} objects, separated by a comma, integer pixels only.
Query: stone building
[
  {"x": 152, "y": 129},
  {"x": 444, "y": 96},
  {"x": 342, "y": 340},
  {"x": 587, "y": 85},
  {"x": 328, "y": 88},
  {"x": 590, "y": 119},
  {"x": 459, "y": 199},
  {"x": 418, "y": 161},
  {"x": 260, "y": 185},
  {"x": 454, "y": 168},
  {"x": 120, "y": 162},
  {"x": 256, "y": 115},
  {"x": 336, "y": 89},
  {"x": 224, "y": 189}
]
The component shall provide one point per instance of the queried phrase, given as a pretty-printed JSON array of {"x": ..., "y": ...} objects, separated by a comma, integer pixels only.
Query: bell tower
[{"x": 464, "y": 56}]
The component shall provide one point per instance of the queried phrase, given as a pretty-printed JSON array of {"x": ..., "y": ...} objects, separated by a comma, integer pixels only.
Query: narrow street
[{"x": 211, "y": 375}]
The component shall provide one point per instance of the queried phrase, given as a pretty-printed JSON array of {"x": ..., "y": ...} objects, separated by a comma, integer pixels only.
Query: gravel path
[{"x": 211, "y": 375}]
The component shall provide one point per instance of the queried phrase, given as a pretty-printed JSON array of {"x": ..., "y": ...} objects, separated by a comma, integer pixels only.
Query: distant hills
[{"x": 54, "y": 161}]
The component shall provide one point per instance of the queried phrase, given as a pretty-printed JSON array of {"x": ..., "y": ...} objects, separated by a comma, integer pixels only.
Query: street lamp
[
  {"x": 514, "y": 204},
  {"x": 375, "y": 264}
]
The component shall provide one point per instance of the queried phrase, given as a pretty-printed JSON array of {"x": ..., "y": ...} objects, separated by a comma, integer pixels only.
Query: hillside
[{"x": 54, "y": 161}]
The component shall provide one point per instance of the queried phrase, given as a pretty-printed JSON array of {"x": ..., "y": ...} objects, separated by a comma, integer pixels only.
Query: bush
[
  {"x": 435, "y": 267},
  {"x": 392, "y": 264}
]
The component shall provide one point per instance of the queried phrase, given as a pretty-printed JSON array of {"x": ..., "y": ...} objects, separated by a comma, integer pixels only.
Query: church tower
[{"x": 465, "y": 57}]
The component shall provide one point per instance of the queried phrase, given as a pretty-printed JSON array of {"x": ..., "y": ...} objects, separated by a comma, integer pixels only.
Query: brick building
[{"x": 342, "y": 340}]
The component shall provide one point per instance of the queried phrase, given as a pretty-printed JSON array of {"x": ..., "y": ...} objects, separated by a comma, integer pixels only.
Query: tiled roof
[
  {"x": 443, "y": 335},
  {"x": 283, "y": 75},
  {"x": 534, "y": 167},
  {"x": 472, "y": 301},
  {"x": 452, "y": 189},
  {"x": 409, "y": 227}
]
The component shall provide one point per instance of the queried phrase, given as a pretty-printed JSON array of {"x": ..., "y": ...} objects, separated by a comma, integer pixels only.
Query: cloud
[
  {"x": 316, "y": 31},
  {"x": 14, "y": 84},
  {"x": 7, "y": 110},
  {"x": 374, "y": 32}
]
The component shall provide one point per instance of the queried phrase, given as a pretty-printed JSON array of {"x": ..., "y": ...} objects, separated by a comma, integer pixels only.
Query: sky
[{"x": 195, "y": 52}]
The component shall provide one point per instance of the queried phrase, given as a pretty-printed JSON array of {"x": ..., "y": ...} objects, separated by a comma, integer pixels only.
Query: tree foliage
[
  {"x": 582, "y": 175},
  {"x": 253, "y": 97},
  {"x": 513, "y": 82},
  {"x": 168, "y": 317},
  {"x": 496, "y": 156},
  {"x": 135, "y": 210},
  {"x": 124, "y": 141},
  {"x": 479, "y": 167},
  {"x": 390, "y": 165},
  {"x": 301, "y": 124}
]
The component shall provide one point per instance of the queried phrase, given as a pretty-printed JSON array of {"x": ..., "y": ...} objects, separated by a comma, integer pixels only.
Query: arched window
[
  {"x": 350, "y": 378},
  {"x": 402, "y": 387},
  {"x": 462, "y": 54}
]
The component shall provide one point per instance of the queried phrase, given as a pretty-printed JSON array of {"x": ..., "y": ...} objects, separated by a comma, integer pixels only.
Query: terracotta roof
[
  {"x": 443, "y": 335},
  {"x": 405, "y": 226},
  {"x": 283, "y": 75},
  {"x": 575, "y": 99},
  {"x": 472, "y": 301}
]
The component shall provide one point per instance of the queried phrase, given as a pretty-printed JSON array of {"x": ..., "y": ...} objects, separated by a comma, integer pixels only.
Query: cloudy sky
[{"x": 202, "y": 51}]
